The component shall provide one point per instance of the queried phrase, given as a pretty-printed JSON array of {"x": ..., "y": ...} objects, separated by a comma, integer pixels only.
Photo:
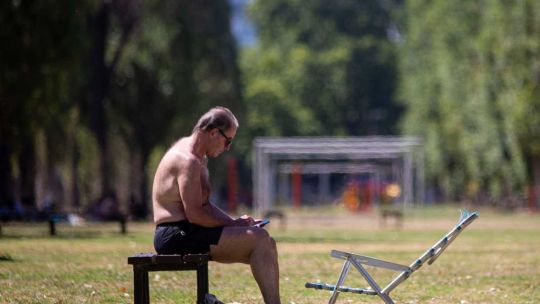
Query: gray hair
[{"x": 217, "y": 117}]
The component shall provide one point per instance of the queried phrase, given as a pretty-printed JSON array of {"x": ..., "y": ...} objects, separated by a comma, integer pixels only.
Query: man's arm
[
  {"x": 244, "y": 220},
  {"x": 197, "y": 211},
  {"x": 216, "y": 211}
]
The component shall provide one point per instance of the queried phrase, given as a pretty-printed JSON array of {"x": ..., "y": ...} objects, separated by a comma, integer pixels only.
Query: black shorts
[{"x": 184, "y": 237}]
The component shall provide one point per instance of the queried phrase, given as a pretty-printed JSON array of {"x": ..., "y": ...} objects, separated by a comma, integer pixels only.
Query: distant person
[
  {"x": 387, "y": 206},
  {"x": 186, "y": 220}
]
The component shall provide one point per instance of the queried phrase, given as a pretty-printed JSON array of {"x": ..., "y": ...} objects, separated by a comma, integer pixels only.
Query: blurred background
[{"x": 93, "y": 92}]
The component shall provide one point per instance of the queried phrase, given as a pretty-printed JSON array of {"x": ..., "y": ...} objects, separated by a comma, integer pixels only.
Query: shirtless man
[{"x": 186, "y": 220}]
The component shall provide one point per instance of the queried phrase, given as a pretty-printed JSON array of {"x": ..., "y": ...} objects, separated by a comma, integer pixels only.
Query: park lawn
[{"x": 495, "y": 260}]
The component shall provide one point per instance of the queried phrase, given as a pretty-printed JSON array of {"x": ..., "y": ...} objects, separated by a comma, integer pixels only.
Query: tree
[
  {"x": 333, "y": 61},
  {"x": 103, "y": 68},
  {"x": 89, "y": 66},
  {"x": 40, "y": 49},
  {"x": 181, "y": 62},
  {"x": 464, "y": 66}
]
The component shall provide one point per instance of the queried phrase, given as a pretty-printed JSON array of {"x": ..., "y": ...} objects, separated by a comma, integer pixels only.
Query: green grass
[{"x": 495, "y": 260}]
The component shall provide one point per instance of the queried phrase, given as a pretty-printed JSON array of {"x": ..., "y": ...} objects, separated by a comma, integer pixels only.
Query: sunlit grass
[{"x": 495, "y": 260}]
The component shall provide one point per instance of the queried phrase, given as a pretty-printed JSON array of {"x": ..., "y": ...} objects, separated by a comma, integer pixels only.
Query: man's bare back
[{"x": 166, "y": 199}]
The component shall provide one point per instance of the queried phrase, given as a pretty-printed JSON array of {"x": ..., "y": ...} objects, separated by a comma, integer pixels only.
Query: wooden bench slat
[{"x": 152, "y": 258}]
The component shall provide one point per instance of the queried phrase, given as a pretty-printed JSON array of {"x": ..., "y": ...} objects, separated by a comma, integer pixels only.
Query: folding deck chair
[{"x": 405, "y": 271}]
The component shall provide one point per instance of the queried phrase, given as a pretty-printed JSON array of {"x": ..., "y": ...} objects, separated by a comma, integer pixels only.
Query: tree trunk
[
  {"x": 74, "y": 168},
  {"x": 42, "y": 175},
  {"x": 27, "y": 166},
  {"x": 141, "y": 210},
  {"x": 138, "y": 193},
  {"x": 534, "y": 186},
  {"x": 146, "y": 199},
  {"x": 71, "y": 196},
  {"x": 102, "y": 75},
  {"x": 6, "y": 184},
  {"x": 99, "y": 89}
]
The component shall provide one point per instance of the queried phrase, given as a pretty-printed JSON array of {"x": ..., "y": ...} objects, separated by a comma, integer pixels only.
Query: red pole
[
  {"x": 296, "y": 177},
  {"x": 368, "y": 188},
  {"x": 232, "y": 184},
  {"x": 532, "y": 197}
]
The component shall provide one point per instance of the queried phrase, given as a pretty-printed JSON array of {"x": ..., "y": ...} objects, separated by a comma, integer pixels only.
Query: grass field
[{"x": 495, "y": 260}]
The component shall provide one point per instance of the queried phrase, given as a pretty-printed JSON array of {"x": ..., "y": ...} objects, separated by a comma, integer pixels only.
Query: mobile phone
[{"x": 262, "y": 223}]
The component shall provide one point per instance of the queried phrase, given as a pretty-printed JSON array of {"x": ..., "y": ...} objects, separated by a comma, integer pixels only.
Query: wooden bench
[{"x": 146, "y": 262}]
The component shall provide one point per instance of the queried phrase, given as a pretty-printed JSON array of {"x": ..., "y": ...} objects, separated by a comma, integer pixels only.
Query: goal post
[{"x": 402, "y": 156}]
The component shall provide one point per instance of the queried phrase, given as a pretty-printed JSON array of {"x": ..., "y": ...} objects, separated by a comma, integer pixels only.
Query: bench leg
[
  {"x": 123, "y": 226},
  {"x": 146, "y": 289},
  {"x": 52, "y": 227},
  {"x": 202, "y": 283},
  {"x": 141, "y": 289}
]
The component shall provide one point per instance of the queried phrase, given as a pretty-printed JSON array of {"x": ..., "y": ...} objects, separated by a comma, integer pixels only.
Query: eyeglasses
[{"x": 228, "y": 140}]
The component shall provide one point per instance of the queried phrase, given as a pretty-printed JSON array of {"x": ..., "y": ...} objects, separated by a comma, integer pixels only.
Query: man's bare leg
[{"x": 255, "y": 247}]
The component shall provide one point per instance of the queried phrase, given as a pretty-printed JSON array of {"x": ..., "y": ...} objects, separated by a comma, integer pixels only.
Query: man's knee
[
  {"x": 261, "y": 235},
  {"x": 273, "y": 244},
  {"x": 264, "y": 239}
]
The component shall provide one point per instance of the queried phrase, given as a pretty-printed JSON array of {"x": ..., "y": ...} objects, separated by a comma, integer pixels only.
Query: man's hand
[{"x": 244, "y": 220}]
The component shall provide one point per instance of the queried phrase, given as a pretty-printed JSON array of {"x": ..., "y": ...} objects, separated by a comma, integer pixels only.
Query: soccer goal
[{"x": 296, "y": 170}]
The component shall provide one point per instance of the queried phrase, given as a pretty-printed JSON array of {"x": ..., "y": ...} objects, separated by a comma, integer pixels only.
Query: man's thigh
[{"x": 236, "y": 244}]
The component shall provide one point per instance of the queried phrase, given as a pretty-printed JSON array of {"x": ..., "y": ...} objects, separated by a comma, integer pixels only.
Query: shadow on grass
[
  {"x": 61, "y": 236},
  {"x": 6, "y": 258},
  {"x": 319, "y": 239}
]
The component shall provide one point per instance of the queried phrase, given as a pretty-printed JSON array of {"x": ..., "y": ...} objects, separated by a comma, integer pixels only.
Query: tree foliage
[
  {"x": 469, "y": 78},
  {"x": 182, "y": 61},
  {"x": 98, "y": 85},
  {"x": 40, "y": 52},
  {"x": 91, "y": 94},
  {"x": 321, "y": 68}
]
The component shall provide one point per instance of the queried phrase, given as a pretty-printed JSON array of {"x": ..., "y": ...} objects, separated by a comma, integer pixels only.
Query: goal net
[{"x": 317, "y": 170}]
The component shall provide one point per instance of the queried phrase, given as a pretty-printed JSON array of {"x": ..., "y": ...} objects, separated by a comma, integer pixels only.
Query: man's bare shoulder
[
  {"x": 191, "y": 163},
  {"x": 178, "y": 158}
]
